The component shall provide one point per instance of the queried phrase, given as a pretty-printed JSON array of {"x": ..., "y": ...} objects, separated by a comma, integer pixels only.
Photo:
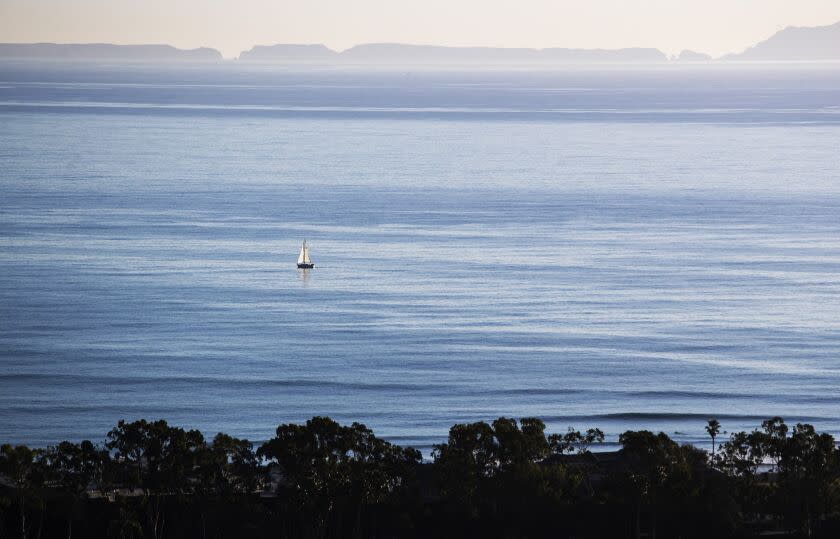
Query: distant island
[
  {"x": 106, "y": 51},
  {"x": 402, "y": 54},
  {"x": 691, "y": 56},
  {"x": 791, "y": 44},
  {"x": 821, "y": 43},
  {"x": 796, "y": 44},
  {"x": 289, "y": 54}
]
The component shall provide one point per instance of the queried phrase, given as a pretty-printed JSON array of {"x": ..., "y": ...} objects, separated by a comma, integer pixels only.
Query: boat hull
[{"x": 306, "y": 266}]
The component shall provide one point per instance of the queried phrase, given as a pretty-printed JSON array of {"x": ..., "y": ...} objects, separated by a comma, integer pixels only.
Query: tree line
[{"x": 505, "y": 478}]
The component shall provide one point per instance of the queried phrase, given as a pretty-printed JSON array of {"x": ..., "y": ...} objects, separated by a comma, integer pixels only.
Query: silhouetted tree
[
  {"x": 229, "y": 466},
  {"x": 515, "y": 444},
  {"x": 465, "y": 461},
  {"x": 324, "y": 463},
  {"x": 771, "y": 440},
  {"x": 573, "y": 441},
  {"x": 655, "y": 470},
  {"x": 163, "y": 458},
  {"x": 19, "y": 464},
  {"x": 73, "y": 468},
  {"x": 499, "y": 474},
  {"x": 807, "y": 468},
  {"x": 506, "y": 478},
  {"x": 713, "y": 429}
]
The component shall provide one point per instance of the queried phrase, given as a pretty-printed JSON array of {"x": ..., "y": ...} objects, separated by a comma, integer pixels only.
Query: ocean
[{"x": 622, "y": 248}]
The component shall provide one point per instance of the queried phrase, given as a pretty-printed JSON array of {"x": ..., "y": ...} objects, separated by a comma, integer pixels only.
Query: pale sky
[{"x": 712, "y": 26}]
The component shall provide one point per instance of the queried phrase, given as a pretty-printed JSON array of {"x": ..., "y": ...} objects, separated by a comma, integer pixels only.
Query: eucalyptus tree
[
  {"x": 163, "y": 460},
  {"x": 500, "y": 476},
  {"x": 808, "y": 469},
  {"x": 518, "y": 444},
  {"x": 232, "y": 465},
  {"x": 465, "y": 461},
  {"x": 326, "y": 466},
  {"x": 575, "y": 441},
  {"x": 770, "y": 441},
  {"x": 21, "y": 465},
  {"x": 656, "y": 473},
  {"x": 74, "y": 468}
]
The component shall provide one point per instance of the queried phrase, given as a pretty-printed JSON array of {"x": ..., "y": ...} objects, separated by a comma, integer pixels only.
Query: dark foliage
[{"x": 507, "y": 478}]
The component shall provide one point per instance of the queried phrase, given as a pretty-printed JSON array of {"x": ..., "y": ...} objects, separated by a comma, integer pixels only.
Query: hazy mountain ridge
[
  {"x": 818, "y": 43},
  {"x": 398, "y": 53},
  {"x": 791, "y": 44},
  {"x": 692, "y": 56},
  {"x": 285, "y": 52},
  {"x": 106, "y": 51},
  {"x": 796, "y": 44}
]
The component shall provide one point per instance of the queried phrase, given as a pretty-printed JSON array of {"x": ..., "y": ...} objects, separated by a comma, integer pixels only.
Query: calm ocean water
[{"x": 620, "y": 249}]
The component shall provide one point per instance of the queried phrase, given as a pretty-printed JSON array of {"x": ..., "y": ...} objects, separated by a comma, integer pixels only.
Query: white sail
[{"x": 303, "y": 257}]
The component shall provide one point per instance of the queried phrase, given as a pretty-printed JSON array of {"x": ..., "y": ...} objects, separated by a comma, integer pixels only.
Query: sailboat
[{"x": 303, "y": 258}]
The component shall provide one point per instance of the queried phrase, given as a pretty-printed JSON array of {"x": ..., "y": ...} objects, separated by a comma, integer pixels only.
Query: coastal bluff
[
  {"x": 105, "y": 52},
  {"x": 388, "y": 54},
  {"x": 801, "y": 44}
]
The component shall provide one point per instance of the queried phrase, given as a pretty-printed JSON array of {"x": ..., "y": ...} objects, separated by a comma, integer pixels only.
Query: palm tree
[{"x": 713, "y": 428}]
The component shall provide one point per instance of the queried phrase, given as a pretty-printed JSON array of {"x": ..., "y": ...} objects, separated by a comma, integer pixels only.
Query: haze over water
[{"x": 634, "y": 248}]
